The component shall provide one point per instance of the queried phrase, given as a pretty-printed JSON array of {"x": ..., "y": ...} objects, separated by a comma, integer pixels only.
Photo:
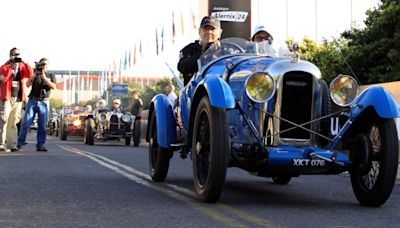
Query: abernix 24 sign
[{"x": 235, "y": 17}]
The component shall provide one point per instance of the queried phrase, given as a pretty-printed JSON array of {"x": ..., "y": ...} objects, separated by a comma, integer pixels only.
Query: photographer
[
  {"x": 13, "y": 74},
  {"x": 42, "y": 83}
]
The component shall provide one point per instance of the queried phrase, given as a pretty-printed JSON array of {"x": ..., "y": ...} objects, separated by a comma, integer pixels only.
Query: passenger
[
  {"x": 210, "y": 32},
  {"x": 261, "y": 35}
]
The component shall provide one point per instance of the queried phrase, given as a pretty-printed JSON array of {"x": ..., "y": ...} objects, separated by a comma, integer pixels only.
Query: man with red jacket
[{"x": 13, "y": 76}]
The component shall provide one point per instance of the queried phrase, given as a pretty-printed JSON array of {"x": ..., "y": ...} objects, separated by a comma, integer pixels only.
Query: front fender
[
  {"x": 380, "y": 99},
  {"x": 166, "y": 121},
  {"x": 219, "y": 92}
]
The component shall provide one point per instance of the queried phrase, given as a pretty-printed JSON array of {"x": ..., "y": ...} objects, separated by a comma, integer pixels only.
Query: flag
[
  {"x": 120, "y": 69},
  {"x": 126, "y": 60},
  {"x": 194, "y": 20},
  {"x": 162, "y": 39},
  {"x": 182, "y": 25},
  {"x": 156, "y": 42},
  {"x": 134, "y": 55},
  {"x": 173, "y": 27},
  {"x": 129, "y": 59},
  {"x": 140, "y": 49}
]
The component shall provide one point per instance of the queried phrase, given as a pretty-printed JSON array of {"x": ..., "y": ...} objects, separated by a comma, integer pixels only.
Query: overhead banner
[{"x": 235, "y": 17}]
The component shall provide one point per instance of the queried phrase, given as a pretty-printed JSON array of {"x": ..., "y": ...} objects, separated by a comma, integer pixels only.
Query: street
[{"x": 107, "y": 185}]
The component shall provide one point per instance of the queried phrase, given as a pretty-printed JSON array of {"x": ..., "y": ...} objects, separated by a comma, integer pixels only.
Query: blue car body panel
[
  {"x": 219, "y": 92},
  {"x": 380, "y": 99},
  {"x": 166, "y": 121}
]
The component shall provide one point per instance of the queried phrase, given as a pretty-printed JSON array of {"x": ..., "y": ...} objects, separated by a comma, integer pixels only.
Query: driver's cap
[
  {"x": 210, "y": 21},
  {"x": 257, "y": 29}
]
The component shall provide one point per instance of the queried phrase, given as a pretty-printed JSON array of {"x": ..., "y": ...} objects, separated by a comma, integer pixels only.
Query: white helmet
[
  {"x": 117, "y": 101},
  {"x": 101, "y": 104}
]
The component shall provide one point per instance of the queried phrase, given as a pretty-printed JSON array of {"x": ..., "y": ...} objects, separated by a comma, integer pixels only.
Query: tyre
[
  {"x": 127, "y": 141},
  {"x": 63, "y": 131},
  {"x": 281, "y": 180},
  {"x": 56, "y": 128},
  {"x": 158, "y": 157},
  {"x": 89, "y": 132},
  {"x": 326, "y": 109},
  {"x": 136, "y": 132},
  {"x": 210, "y": 150},
  {"x": 374, "y": 155}
]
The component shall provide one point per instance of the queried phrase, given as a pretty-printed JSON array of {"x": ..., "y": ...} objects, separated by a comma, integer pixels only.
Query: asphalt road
[{"x": 107, "y": 185}]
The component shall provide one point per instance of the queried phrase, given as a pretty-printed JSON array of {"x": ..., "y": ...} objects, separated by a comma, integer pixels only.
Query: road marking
[{"x": 144, "y": 180}]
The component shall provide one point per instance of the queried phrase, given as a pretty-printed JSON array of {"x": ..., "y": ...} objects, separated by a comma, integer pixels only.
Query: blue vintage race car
[{"x": 275, "y": 117}]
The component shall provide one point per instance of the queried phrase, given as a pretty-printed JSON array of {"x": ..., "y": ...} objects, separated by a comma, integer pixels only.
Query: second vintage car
[{"x": 104, "y": 124}]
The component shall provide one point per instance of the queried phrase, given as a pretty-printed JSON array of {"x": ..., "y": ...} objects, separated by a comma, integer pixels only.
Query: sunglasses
[{"x": 15, "y": 54}]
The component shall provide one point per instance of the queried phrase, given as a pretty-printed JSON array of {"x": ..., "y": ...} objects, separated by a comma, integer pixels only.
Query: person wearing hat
[
  {"x": 116, "y": 107},
  {"x": 261, "y": 34},
  {"x": 210, "y": 32}
]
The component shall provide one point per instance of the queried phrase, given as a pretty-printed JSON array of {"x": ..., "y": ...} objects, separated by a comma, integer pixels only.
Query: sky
[{"x": 91, "y": 35}]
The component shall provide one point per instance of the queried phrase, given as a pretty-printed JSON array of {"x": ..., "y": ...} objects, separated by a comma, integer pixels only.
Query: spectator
[
  {"x": 170, "y": 89},
  {"x": 42, "y": 83},
  {"x": 13, "y": 74}
]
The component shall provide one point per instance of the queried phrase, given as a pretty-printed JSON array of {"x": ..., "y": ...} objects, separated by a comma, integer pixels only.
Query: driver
[
  {"x": 116, "y": 107},
  {"x": 210, "y": 32}
]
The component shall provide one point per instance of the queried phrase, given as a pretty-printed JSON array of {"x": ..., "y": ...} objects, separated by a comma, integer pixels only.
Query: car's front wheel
[
  {"x": 63, "y": 131},
  {"x": 89, "y": 132},
  {"x": 158, "y": 157},
  {"x": 374, "y": 155},
  {"x": 210, "y": 150},
  {"x": 281, "y": 180}
]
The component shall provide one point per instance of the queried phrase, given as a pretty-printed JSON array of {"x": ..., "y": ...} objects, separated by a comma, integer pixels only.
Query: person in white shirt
[
  {"x": 262, "y": 36},
  {"x": 170, "y": 89}
]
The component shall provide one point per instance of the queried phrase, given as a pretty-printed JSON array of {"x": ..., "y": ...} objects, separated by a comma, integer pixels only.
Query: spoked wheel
[
  {"x": 282, "y": 180},
  {"x": 210, "y": 146},
  {"x": 158, "y": 157},
  {"x": 375, "y": 157}
]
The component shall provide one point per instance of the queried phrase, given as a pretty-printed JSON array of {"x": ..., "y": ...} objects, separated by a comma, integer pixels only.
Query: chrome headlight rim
[
  {"x": 256, "y": 74},
  {"x": 103, "y": 116},
  {"x": 333, "y": 95},
  {"x": 127, "y": 117}
]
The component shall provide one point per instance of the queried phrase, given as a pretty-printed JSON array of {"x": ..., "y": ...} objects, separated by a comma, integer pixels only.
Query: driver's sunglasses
[
  {"x": 261, "y": 38},
  {"x": 15, "y": 54}
]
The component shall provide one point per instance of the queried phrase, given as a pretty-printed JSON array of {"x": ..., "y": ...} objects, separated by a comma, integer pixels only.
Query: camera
[
  {"x": 17, "y": 60},
  {"x": 38, "y": 67}
]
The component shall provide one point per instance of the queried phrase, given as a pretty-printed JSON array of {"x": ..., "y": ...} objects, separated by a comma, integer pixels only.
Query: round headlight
[
  {"x": 344, "y": 90},
  {"x": 127, "y": 117},
  {"x": 77, "y": 123},
  {"x": 260, "y": 87},
  {"x": 103, "y": 116}
]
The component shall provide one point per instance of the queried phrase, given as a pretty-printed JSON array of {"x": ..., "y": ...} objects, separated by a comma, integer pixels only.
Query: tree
[{"x": 374, "y": 51}]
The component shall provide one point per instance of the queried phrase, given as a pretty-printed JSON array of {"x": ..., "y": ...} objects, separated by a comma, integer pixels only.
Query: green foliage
[
  {"x": 56, "y": 103},
  {"x": 152, "y": 90},
  {"x": 372, "y": 54},
  {"x": 374, "y": 51}
]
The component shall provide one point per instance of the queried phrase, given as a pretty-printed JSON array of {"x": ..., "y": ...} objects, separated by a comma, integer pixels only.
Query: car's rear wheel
[
  {"x": 89, "y": 132},
  {"x": 158, "y": 157},
  {"x": 374, "y": 155},
  {"x": 210, "y": 146}
]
